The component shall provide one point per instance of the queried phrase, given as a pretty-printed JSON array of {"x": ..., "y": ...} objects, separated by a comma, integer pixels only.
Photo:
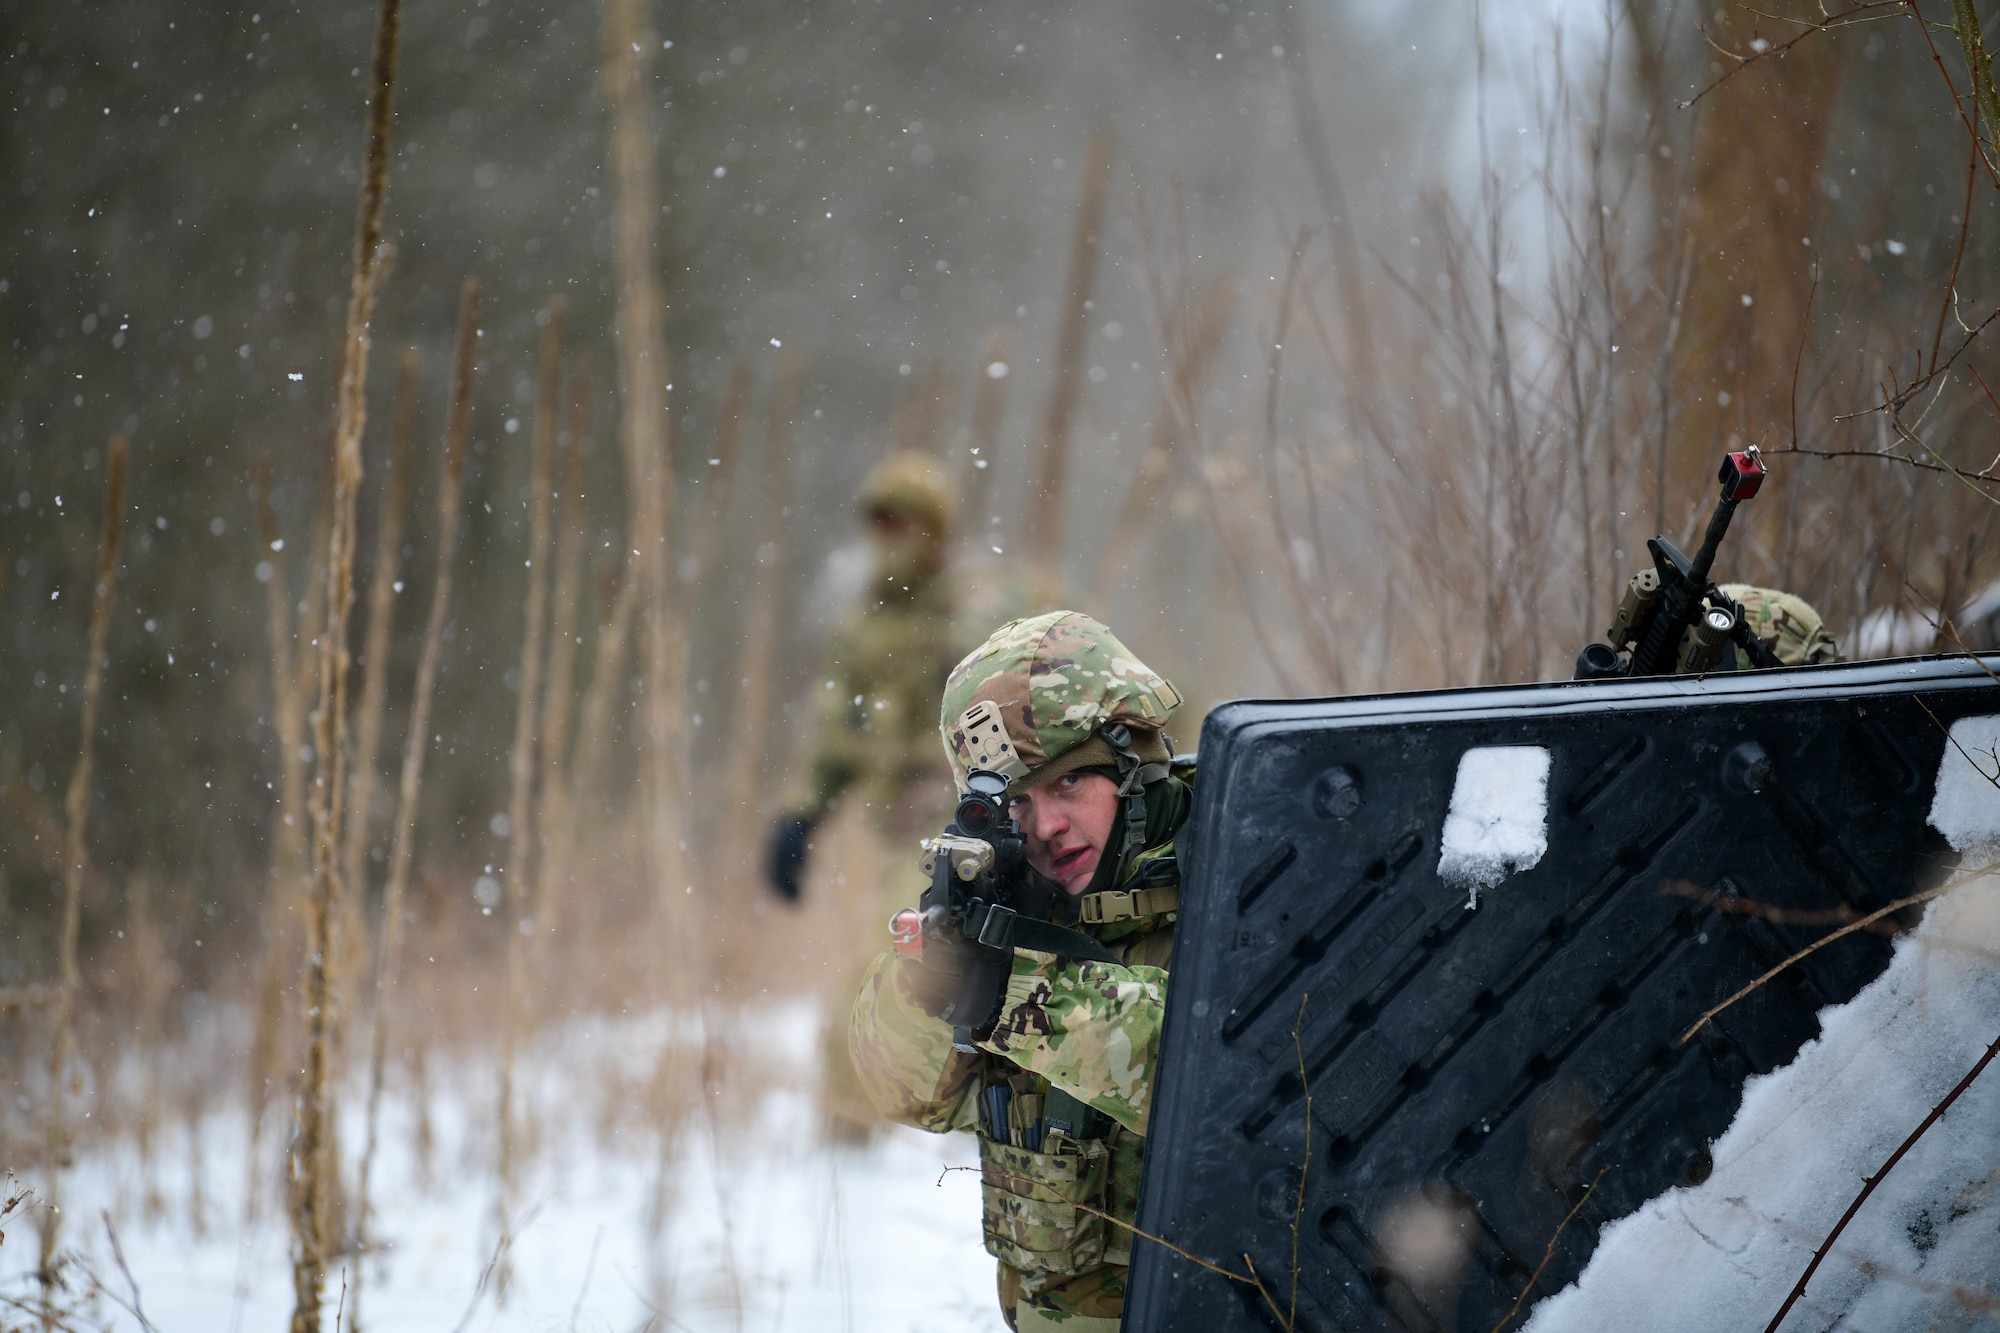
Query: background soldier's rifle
[
  {"x": 1673, "y": 619},
  {"x": 980, "y": 905}
]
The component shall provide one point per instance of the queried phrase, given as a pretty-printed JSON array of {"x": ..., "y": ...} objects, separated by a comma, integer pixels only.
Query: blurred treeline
[{"x": 1409, "y": 326}]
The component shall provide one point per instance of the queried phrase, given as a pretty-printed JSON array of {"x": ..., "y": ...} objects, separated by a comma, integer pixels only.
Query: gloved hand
[
  {"x": 952, "y": 978},
  {"x": 790, "y": 840}
]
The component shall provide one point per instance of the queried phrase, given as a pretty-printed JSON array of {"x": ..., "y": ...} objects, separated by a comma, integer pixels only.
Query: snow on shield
[
  {"x": 1498, "y": 824},
  {"x": 1966, "y": 805}
]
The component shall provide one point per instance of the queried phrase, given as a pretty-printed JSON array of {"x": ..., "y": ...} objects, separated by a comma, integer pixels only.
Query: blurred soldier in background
[
  {"x": 885, "y": 663},
  {"x": 1059, "y": 1086},
  {"x": 873, "y": 738}
]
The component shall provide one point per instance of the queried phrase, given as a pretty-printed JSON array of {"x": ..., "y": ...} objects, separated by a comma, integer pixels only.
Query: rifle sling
[{"x": 1003, "y": 928}]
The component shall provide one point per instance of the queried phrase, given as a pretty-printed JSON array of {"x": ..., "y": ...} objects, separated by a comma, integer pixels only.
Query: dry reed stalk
[
  {"x": 643, "y": 371},
  {"x": 395, "y": 892},
  {"x": 151, "y": 969},
  {"x": 1310, "y": 126},
  {"x": 383, "y": 580},
  {"x": 281, "y": 911},
  {"x": 754, "y": 732},
  {"x": 1045, "y": 500},
  {"x": 76, "y": 811},
  {"x": 718, "y": 471},
  {"x": 314, "y": 1171},
  {"x": 520, "y": 868},
  {"x": 701, "y": 567},
  {"x": 595, "y": 730},
  {"x": 553, "y": 837},
  {"x": 989, "y": 406},
  {"x": 1315, "y": 618},
  {"x": 1189, "y": 362},
  {"x": 278, "y": 925}
]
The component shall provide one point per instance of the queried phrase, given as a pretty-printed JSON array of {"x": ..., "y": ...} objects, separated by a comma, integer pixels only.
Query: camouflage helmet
[
  {"x": 1788, "y": 625},
  {"x": 1029, "y": 702},
  {"x": 913, "y": 486}
]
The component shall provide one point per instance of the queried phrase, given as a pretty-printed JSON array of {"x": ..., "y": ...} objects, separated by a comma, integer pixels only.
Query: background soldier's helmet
[
  {"x": 911, "y": 486},
  {"x": 1788, "y": 625},
  {"x": 1029, "y": 702}
]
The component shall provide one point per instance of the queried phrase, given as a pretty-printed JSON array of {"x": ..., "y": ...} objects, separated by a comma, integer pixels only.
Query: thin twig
[
  {"x": 501, "y": 1246},
  {"x": 1550, "y": 1253},
  {"x": 1191, "y": 1257},
  {"x": 1299, "y": 1206},
  {"x": 576, "y": 1312},
  {"x": 1870, "y": 1182},
  {"x": 118, "y": 1255},
  {"x": 1847, "y": 18},
  {"x": 1799, "y": 360},
  {"x": 1265, "y": 1292},
  {"x": 1778, "y": 916},
  {"x": 1846, "y": 930}
]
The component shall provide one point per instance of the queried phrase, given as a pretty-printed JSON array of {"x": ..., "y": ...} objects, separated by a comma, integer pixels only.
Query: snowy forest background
[{"x": 1395, "y": 332}]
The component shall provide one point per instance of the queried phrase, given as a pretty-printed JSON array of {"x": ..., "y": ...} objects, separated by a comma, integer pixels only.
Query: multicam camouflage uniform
[
  {"x": 1029, "y": 704},
  {"x": 1788, "y": 625}
]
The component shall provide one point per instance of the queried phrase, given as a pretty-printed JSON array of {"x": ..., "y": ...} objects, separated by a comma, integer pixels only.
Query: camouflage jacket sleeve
[
  {"x": 834, "y": 758},
  {"x": 1092, "y": 1029},
  {"x": 904, "y": 1056}
]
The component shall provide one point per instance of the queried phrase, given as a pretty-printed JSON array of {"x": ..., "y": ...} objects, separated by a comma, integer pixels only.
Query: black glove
[
  {"x": 959, "y": 980},
  {"x": 786, "y": 867}
]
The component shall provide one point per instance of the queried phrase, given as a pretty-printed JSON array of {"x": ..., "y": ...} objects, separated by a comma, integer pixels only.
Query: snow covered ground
[
  {"x": 764, "y": 1225},
  {"x": 1924, "y": 1251}
]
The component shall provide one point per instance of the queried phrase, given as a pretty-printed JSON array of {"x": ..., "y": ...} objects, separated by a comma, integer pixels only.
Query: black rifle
[
  {"x": 1673, "y": 619},
  {"x": 979, "y": 906}
]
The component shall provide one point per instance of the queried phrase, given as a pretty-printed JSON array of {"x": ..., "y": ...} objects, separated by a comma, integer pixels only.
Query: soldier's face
[{"x": 1065, "y": 825}]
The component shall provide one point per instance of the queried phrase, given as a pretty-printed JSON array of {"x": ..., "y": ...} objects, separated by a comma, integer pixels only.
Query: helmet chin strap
[{"x": 1133, "y": 775}]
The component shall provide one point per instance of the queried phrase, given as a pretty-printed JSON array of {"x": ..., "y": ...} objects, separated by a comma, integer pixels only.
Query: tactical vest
[{"x": 1047, "y": 1159}]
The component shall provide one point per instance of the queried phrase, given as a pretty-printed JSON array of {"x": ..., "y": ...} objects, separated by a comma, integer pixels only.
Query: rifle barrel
[{"x": 1718, "y": 527}]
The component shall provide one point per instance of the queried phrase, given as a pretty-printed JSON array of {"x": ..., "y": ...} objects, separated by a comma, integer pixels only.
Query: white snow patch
[
  {"x": 1498, "y": 823},
  {"x": 1923, "y": 1250},
  {"x": 749, "y": 1222},
  {"x": 1965, "y": 806}
]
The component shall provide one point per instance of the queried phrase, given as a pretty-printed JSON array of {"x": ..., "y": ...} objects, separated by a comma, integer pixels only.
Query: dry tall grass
[
  {"x": 1046, "y": 522},
  {"x": 395, "y": 894},
  {"x": 314, "y": 1160},
  {"x": 644, "y": 370},
  {"x": 279, "y": 923},
  {"x": 384, "y": 578},
  {"x": 555, "y": 817},
  {"x": 522, "y": 768},
  {"x": 76, "y": 814},
  {"x": 755, "y": 733}
]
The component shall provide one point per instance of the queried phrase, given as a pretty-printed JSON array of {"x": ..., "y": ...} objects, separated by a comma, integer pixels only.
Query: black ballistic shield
[{"x": 1486, "y": 1064}]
